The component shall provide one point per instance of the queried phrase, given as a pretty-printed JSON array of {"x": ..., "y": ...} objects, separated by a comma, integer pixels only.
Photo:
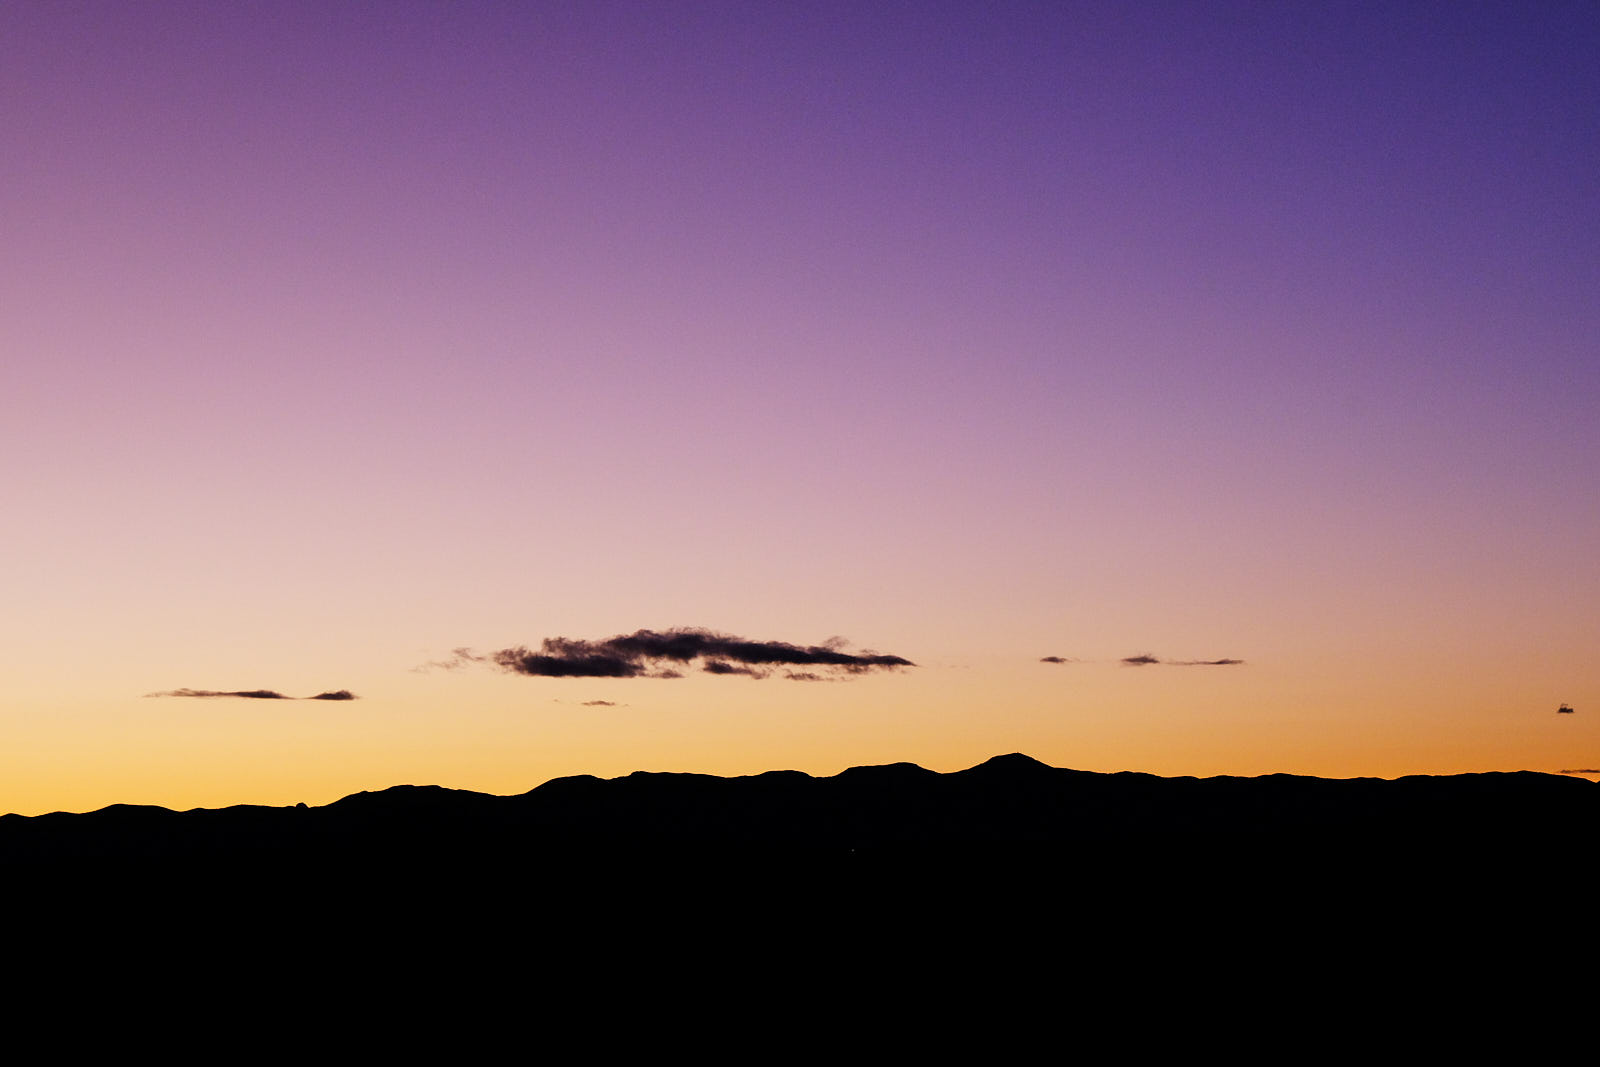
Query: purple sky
[{"x": 341, "y": 335}]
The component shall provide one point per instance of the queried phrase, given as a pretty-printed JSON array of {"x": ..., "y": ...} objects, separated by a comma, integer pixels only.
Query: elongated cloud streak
[
  {"x": 656, "y": 654},
  {"x": 459, "y": 658},
  {"x": 253, "y": 694},
  {"x": 1146, "y": 660}
]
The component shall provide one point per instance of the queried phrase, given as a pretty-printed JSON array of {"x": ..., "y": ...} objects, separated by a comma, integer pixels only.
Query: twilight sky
[{"x": 338, "y": 337}]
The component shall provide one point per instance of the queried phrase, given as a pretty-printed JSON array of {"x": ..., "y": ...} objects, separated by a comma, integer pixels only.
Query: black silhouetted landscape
[
  {"x": 1008, "y": 808},
  {"x": 879, "y": 875}
]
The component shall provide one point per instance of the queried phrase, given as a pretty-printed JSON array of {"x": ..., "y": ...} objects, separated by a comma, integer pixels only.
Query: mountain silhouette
[
  {"x": 876, "y": 877},
  {"x": 1010, "y": 804}
]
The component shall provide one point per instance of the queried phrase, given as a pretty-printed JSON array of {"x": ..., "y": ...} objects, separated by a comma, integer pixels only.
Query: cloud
[
  {"x": 252, "y": 694},
  {"x": 656, "y": 654},
  {"x": 1581, "y": 770},
  {"x": 1053, "y": 659},
  {"x": 599, "y": 703},
  {"x": 1147, "y": 659},
  {"x": 459, "y": 658}
]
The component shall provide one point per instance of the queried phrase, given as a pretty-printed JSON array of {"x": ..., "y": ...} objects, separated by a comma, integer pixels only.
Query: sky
[{"x": 339, "y": 337}]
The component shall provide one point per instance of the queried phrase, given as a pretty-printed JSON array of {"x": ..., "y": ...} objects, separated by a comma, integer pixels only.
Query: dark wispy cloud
[
  {"x": 1054, "y": 659},
  {"x": 252, "y": 694},
  {"x": 658, "y": 654},
  {"x": 1146, "y": 659},
  {"x": 599, "y": 703},
  {"x": 459, "y": 658},
  {"x": 1582, "y": 770}
]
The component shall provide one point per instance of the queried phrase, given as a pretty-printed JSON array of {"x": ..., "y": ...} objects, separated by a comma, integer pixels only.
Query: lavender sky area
[{"x": 340, "y": 336}]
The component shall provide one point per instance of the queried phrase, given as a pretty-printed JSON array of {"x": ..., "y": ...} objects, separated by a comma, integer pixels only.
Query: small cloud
[
  {"x": 1565, "y": 709},
  {"x": 459, "y": 658},
  {"x": 253, "y": 694},
  {"x": 1054, "y": 659},
  {"x": 1147, "y": 659},
  {"x": 599, "y": 703},
  {"x": 250, "y": 694},
  {"x": 1581, "y": 770}
]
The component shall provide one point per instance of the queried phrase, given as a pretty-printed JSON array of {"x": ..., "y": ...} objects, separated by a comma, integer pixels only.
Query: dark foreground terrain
[
  {"x": 1007, "y": 809},
  {"x": 1053, "y": 896}
]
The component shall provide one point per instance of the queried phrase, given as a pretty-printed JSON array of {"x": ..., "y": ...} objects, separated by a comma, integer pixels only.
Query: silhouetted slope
[{"x": 1011, "y": 803}]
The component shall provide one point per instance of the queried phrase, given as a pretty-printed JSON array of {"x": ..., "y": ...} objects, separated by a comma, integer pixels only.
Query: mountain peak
[
  {"x": 896, "y": 771},
  {"x": 1012, "y": 763}
]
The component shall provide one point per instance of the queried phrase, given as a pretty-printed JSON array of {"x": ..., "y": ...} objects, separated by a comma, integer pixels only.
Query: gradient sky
[{"x": 337, "y": 336}]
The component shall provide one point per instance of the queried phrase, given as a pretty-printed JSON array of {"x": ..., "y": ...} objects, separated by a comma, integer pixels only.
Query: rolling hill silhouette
[
  {"x": 876, "y": 877},
  {"x": 1010, "y": 805}
]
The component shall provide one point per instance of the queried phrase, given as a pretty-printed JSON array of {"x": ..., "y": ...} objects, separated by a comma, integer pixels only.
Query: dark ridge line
[{"x": 1011, "y": 803}]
